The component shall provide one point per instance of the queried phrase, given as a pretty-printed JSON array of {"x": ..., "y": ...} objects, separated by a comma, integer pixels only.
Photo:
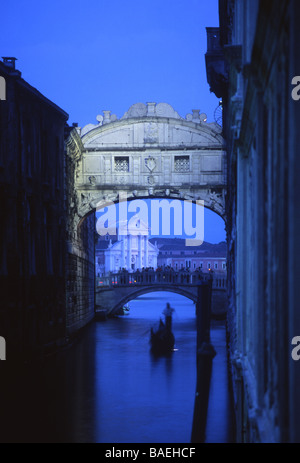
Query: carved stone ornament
[
  {"x": 150, "y": 164},
  {"x": 92, "y": 180},
  {"x": 151, "y": 133}
]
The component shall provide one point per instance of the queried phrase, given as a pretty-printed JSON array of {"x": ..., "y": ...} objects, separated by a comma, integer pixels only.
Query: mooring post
[{"x": 205, "y": 355}]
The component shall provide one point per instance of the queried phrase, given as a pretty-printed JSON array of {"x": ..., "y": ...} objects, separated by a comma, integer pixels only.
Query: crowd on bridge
[
  {"x": 150, "y": 275},
  {"x": 164, "y": 268}
]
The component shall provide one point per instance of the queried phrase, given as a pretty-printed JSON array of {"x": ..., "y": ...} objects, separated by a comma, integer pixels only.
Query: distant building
[
  {"x": 131, "y": 252},
  {"x": 162, "y": 252},
  {"x": 207, "y": 257}
]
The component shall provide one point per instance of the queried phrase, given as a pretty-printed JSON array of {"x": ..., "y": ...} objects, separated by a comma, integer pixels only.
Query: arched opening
[
  {"x": 177, "y": 228},
  {"x": 95, "y": 256}
]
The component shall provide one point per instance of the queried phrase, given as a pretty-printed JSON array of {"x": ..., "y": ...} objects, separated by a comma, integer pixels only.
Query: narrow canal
[{"x": 108, "y": 388}]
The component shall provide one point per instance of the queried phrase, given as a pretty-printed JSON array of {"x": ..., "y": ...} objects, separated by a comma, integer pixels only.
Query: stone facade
[
  {"x": 151, "y": 152},
  {"x": 32, "y": 225},
  {"x": 130, "y": 252},
  {"x": 80, "y": 252},
  {"x": 208, "y": 258},
  {"x": 259, "y": 44}
]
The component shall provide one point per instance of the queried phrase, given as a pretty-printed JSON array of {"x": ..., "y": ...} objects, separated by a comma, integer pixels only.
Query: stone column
[
  {"x": 129, "y": 252},
  {"x": 146, "y": 251},
  {"x": 111, "y": 262},
  {"x": 205, "y": 355},
  {"x": 140, "y": 252},
  {"x": 123, "y": 252}
]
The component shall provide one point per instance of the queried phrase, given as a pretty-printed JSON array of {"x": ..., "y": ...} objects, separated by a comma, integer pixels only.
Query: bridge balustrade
[
  {"x": 150, "y": 277},
  {"x": 163, "y": 277}
]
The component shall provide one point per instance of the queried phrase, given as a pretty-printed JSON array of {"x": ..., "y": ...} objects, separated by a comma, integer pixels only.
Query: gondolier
[{"x": 168, "y": 312}]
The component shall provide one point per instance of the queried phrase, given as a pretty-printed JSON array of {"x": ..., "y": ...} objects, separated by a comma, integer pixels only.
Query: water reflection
[{"x": 109, "y": 388}]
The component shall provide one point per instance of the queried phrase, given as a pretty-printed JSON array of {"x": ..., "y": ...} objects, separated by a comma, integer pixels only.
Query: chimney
[{"x": 9, "y": 61}]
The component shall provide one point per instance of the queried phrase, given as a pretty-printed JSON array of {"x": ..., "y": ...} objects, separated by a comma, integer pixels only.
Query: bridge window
[
  {"x": 208, "y": 265},
  {"x": 182, "y": 163},
  {"x": 224, "y": 265},
  {"x": 122, "y": 164},
  {"x": 216, "y": 264},
  {"x": 201, "y": 265}
]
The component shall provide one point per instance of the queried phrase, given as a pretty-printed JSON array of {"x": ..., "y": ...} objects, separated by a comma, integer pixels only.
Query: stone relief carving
[
  {"x": 151, "y": 133},
  {"x": 92, "y": 180},
  {"x": 216, "y": 198},
  {"x": 151, "y": 180},
  {"x": 150, "y": 163},
  {"x": 136, "y": 110}
]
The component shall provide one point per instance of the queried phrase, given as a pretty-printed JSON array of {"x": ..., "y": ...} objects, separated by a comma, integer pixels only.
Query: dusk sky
[{"x": 107, "y": 55}]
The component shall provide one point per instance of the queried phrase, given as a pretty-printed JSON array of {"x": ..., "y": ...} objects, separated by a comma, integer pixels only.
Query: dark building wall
[
  {"x": 32, "y": 225},
  {"x": 261, "y": 126}
]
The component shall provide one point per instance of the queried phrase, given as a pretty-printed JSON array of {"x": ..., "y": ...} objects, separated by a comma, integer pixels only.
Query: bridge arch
[
  {"x": 151, "y": 152},
  {"x": 146, "y": 290}
]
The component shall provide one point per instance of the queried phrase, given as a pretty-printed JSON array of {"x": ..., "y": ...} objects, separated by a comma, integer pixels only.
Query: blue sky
[{"x": 109, "y": 54}]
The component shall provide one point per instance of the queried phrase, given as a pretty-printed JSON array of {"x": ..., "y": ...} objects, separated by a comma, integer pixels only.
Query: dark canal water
[{"x": 109, "y": 388}]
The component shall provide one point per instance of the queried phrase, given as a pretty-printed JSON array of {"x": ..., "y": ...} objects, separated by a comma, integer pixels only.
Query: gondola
[
  {"x": 124, "y": 310},
  {"x": 162, "y": 340}
]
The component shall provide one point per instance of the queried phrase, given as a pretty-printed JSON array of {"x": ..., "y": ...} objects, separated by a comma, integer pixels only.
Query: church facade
[{"x": 131, "y": 251}]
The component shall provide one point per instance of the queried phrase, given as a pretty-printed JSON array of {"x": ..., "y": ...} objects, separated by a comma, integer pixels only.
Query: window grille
[
  {"x": 182, "y": 163},
  {"x": 122, "y": 164}
]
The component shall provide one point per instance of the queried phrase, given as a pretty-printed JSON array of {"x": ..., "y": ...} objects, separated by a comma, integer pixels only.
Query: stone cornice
[{"x": 74, "y": 146}]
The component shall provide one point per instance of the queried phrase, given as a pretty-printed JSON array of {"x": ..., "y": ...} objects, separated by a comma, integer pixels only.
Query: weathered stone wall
[
  {"x": 80, "y": 277},
  {"x": 80, "y": 252}
]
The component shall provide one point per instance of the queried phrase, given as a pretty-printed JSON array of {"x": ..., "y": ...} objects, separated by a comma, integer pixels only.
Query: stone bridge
[
  {"x": 150, "y": 152},
  {"x": 117, "y": 289}
]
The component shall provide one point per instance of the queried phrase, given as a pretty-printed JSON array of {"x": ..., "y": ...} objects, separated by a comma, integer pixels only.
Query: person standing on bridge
[{"x": 168, "y": 316}]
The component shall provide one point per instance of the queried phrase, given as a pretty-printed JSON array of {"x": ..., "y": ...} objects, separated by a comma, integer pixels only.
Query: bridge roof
[{"x": 147, "y": 113}]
